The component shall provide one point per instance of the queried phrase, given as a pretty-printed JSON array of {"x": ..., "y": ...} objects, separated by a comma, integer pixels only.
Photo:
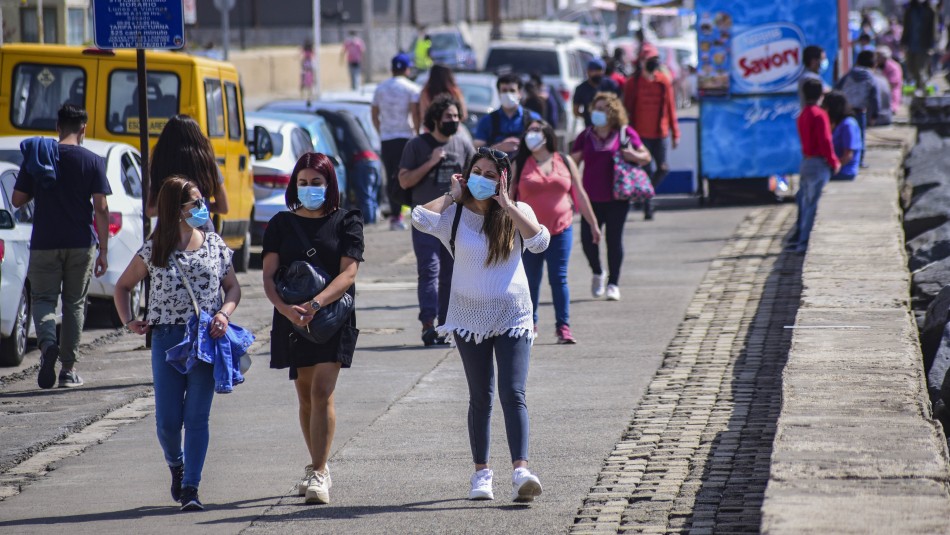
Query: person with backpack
[
  {"x": 502, "y": 128},
  {"x": 550, "y": 184},
  {"x": 490, "y": 307},
  {"x": 863, "y": 94},
  {"x": 650, "y": 103},
  {"x": 426, "y": 169}
]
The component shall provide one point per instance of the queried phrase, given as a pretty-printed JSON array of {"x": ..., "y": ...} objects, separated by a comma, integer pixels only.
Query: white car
[
  {"x": 123, "y": 169},
  {"x": 562, "y": 64},
  {"x": 15, "y": 232},
  {"x": 271, "y": 176}
]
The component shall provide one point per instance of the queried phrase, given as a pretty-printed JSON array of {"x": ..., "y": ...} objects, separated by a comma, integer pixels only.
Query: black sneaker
[
  {"x": 430, "y": 336},
  {"x": 189, "y": 499},
  {"x": 47, "y": 375},
  {"x": 178, "y": 472},
  {"x": 69, "y": 379}
]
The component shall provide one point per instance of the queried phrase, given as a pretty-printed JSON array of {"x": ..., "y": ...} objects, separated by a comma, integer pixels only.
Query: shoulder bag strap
[
  {"x": 309, "y": 250},
  {"x": 191, "y": 293},
  {"x": 455, "y": 227}
]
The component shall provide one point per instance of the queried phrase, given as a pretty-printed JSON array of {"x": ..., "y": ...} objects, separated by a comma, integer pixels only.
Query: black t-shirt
[
  {"x": 334, "y": 236},
  {"x": 584, "y": 94},
  {"x": 63, "y": 215}
]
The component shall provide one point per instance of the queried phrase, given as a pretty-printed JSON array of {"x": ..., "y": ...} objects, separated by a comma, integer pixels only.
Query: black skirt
[{"x": 290, "y": 350}]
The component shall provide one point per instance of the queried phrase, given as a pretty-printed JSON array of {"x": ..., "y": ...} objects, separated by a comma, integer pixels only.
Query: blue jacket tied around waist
[
  {"x": 40, "y": 157},
  {"x": 223, "y": 353}
]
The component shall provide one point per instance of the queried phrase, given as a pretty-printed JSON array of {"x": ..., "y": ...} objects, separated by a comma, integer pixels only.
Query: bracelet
[
  {"x": 129, "y": 323},
  {"x": 449, "y": 193},
  {"x": 223, "y": 313}
]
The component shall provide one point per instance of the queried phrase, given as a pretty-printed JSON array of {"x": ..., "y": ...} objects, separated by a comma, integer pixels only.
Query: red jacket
[
  {"x": 651, "y": 106},
  {"x": 814, "y": 129}
]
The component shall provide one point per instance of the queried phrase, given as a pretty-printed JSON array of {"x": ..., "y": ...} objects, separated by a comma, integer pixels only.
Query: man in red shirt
[
  {"x": 819, "y": 162},
  {"x": 651, "y": 108}
]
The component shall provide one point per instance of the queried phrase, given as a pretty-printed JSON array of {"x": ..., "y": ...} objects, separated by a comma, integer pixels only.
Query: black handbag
[{"x": 300, "y": 282}]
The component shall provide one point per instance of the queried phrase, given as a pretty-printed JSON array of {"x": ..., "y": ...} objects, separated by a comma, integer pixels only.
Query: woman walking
[
  {"x": 178, "y": 249},
  {"x": 183, "y": 150},
  {"x": 845, "y": 134},
  {"x": 550, "y": 184},
  {"x": 489, "y": 306},
  {"x": 596, "y": 147},
  {"x": 336, "y": 237},
  {"x": 441, "y": 82}
]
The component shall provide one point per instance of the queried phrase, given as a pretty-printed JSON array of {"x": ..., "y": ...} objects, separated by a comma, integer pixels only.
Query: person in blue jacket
[
  {"x": 845, "y": 134},
  {"x": 182, "y": 401}
]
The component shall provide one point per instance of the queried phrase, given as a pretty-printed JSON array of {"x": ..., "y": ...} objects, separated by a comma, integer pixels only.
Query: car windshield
[
  {"x": 444, "y": 41},
  {"x": 523, "y": 61},
  {"x": 476, "y": 95}
]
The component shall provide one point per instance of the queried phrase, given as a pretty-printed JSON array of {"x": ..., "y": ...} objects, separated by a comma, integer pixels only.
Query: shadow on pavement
[
  {"x": 65, "y": 391},
  {"x": 737, "y": 469}
]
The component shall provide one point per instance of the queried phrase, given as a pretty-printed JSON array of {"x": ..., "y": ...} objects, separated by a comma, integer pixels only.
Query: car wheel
[
  {"x": 242, "y": 257},
  {"x": 135, "y": 301},
  {"x": 13, "y": 347}
]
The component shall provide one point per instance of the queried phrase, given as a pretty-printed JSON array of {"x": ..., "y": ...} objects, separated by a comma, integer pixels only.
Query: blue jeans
[
  {"x": 434, "y": 266},
  {"x": 365, "y": 181},
  {"x": 181, "y": 401},
  {"x": 815, "y": 173},
  {"x": 557, "y": 255},
  {"x": 862, "y": 117},
  {"x": 512, "y": 355}
]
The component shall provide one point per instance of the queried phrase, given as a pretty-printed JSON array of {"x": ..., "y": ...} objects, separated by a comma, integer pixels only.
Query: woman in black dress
[{"x": 313, "y": 197}]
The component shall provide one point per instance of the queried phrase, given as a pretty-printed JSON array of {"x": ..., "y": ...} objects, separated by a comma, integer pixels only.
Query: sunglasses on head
[{"x": 493, "y": 153}]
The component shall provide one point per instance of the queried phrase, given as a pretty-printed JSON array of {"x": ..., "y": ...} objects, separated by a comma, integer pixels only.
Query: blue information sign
[{"x": 139, "y": 23}]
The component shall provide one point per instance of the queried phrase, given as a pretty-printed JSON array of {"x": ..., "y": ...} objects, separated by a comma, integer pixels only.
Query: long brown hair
[
  {"x": 183, "y": 149},
  {"x": 175, "y": 192},
  {"x": 497, "y": 226}
]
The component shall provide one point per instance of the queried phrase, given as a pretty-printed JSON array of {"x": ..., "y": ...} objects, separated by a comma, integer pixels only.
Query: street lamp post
[{"x": 316, "y": 48}]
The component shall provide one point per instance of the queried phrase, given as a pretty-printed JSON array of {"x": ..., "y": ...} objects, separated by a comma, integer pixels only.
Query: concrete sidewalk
[{"x": 401, "y": 461}]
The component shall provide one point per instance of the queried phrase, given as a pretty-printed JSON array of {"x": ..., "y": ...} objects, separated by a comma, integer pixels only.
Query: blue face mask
[
  {"x": 312, "y": 197},
  {"x": 199, "y": 215},
  {"x": 824, "y": 65},
  {"x": 481, "y": 188},
  {"x": 598, "y": 118}
]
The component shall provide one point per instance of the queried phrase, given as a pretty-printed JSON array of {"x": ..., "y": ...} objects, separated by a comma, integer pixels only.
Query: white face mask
[
  {"x": 534, "y": 140},
  {"x": 510, "y": 100}
]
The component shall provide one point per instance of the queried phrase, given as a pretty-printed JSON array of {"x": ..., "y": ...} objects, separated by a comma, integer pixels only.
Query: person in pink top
[
  {"x": 894, "y": 74},
  {"x": 550, "y": 184},
  {"x": 353, "y": 49}
]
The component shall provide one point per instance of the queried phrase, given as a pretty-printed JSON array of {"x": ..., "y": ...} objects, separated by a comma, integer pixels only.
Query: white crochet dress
[{"x": 490, "y": 300}]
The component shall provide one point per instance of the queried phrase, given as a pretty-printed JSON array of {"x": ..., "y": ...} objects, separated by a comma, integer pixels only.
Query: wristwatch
[{"x": 315, "y": 305}]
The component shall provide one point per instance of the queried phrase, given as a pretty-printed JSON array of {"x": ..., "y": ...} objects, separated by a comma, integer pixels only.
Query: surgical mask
[
  {"x": 533, "y": 139},
  {"x": 824, "y": 65},
  {"x": 312, "y": 197},
  {"x": 449, "y": 128},
  {"x": 510, "y": 100},
  {"x": 598, "y": 118},
  {"x": 481, "y": 188},
  {"x": 199, "y": 216}
]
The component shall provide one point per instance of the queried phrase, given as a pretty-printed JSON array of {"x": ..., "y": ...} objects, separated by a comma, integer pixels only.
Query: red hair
[{"x": 322, "y": 164}]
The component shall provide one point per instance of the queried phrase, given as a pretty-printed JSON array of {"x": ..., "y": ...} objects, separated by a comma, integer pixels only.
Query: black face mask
[
  {"x": 597, "y": 79},
  {"x": 449, "y": 128},
  {"x": 652, "y": 64}
]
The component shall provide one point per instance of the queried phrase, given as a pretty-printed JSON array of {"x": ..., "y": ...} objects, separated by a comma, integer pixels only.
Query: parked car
[
  {"x": 271, "y": 175},
  {"x": 450, "y": 48},
  {"x": 359, "y": 104},
  {"x": 123, "y": 169},
  {"x": 363, "y": 166},
  {"x": 15, "y": 232},
  {"x": 562, "y": 64},
  {"x": 479, "y": 91}
]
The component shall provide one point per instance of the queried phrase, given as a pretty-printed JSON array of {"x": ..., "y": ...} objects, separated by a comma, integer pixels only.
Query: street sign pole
[
  {"x": 143, "y": 136},
  {"x": 316, "y": 49},
  {"x": 226, "y": 31}
]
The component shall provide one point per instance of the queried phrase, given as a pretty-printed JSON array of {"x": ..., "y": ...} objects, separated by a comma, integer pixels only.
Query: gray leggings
[{"x": 512, "y": 355}]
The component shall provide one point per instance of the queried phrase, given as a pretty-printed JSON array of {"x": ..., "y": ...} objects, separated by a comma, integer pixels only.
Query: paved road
[{"x": 400, "y": 462}]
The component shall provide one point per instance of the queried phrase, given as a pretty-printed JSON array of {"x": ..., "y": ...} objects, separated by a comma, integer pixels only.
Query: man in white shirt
[{"x": 395, "y": 103}]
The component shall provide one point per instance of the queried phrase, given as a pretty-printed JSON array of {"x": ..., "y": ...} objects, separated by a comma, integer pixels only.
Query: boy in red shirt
[{"x": 819, "y": 162}]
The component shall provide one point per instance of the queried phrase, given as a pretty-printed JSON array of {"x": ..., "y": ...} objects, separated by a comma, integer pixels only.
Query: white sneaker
[
  {"x": 481, "y": 486},
  {"x": 597, "y": 285},
  {"x": 524, "y": 486},
  {"x": 318, "y": 488},
  {"x": 302, "y": 485},
  {"x": 613, "y": 292}
]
